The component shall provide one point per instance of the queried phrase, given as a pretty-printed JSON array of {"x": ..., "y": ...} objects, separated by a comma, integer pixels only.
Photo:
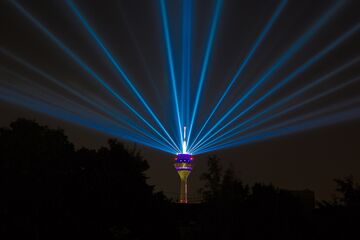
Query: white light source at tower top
[{"x": 184, "y": 146}]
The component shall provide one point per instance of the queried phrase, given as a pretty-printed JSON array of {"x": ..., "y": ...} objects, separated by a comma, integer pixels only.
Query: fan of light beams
[{"x": 239, "y": 114}]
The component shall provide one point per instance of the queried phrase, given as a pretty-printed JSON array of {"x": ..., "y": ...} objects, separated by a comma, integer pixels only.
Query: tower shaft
[
  {"x": 183, "y": 185},
  {"x": 183, "y": 166}
]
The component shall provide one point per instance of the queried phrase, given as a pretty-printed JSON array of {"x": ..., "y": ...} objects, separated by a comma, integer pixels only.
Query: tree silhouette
[
  {"x": 212, "y": 179},
  {"x": 349, "y": 191},
  {"x": 51, "y": 191},
  {"x": 232, "y": 189},
  {"x": 232, "y": 208}
]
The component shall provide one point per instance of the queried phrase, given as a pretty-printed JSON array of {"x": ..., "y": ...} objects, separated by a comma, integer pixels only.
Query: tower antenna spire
[
  {"x": 184, "y": 146},
  {"x": 184, "y": 133}
]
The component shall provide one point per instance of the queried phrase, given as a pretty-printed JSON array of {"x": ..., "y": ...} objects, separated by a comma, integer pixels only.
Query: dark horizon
[
  {"x": 313, "y": 167},
  {"x": 52, "y": 190}
]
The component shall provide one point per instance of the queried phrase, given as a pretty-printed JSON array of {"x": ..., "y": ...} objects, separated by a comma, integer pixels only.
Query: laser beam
[
  {"x": 117, "y": 66},
  {"x": 299, "y": 70},
  {"x": 61, "y": 114},
  {"x": 51, "y": 95},
  {"x": 186, "y": 61},
  {"x": 168, "y": 44},
  {"x": 223, "y": 136},
  {"x": 243, "y": 64},
  {"x": 283, "y": 128},
  {"x": 287, "y": 55},
  {"x": 92, "y": 73},
  {"x": 205, "y": 63}
]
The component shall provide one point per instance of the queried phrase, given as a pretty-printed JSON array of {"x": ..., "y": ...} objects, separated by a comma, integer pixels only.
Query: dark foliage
[
  {"x": 234, "y": 210},
  {"x": 51, "y": 191}
]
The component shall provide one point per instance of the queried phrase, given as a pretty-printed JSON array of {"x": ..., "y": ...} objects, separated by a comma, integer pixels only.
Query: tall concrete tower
[{"x": 183, "y": 165}]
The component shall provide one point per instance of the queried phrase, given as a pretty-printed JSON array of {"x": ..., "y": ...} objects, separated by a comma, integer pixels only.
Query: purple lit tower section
[{"x": 183, "y": 166}]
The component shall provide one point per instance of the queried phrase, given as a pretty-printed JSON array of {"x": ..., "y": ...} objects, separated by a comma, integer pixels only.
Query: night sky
[{"x": 132, "y": 30}]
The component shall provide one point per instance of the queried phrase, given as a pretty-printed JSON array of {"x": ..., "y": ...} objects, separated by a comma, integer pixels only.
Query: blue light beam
[
  {"x": 168, "y": 44},
  {"x": 117, "y": 66},
  {"x": 56, "y": 112},
  {"x": 205, "y": 63},
  {"x": 84, "y": 66},
  {"x": 282, "y": 128},
  {"x": 186, "y": 61},
  {"x": 291, "y": 76},
  {"x": 223, "y": 136},
  {"x": 94, "y": 102},
  {"x": 244, "y": 64},
  {"x": 287, "y": 55}
]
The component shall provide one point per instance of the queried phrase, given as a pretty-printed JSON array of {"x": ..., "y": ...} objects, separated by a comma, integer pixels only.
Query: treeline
[
  {"x": 50, "y": 190},
  {"x": 263, "y": 211}
]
